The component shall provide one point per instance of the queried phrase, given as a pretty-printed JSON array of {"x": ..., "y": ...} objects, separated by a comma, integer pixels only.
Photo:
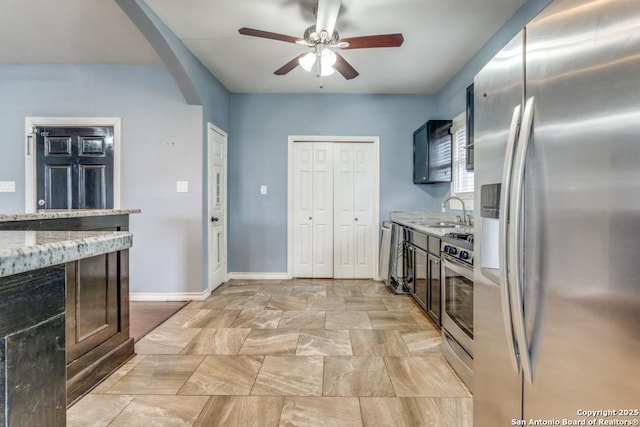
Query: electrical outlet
[
  {"x": 7, "y": 186},
  {"x": 182, "y": 186},
  {"x": 263, "y": 189}
]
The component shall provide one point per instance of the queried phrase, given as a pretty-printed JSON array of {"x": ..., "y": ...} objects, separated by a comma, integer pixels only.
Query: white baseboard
[
  {"x": 170, "y": 296},
  {"x": 259, "y": 276}
]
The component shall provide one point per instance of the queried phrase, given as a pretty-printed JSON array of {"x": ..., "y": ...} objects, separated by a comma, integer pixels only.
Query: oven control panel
[{"x": 454, "y": 251}]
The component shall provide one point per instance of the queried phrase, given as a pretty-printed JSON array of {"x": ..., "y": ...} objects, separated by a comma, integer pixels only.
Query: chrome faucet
[{"x": 464, "y": 210}]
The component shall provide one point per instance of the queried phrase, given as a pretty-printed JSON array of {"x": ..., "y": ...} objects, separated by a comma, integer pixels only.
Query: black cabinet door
[
  {"x": 432, "y": 152},
  {"x": 74, "y": 167},
  {"x": 470, "y": 122},
  {"x": 434, "y": 300}
]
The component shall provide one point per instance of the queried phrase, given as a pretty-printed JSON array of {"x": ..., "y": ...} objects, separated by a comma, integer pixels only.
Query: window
[{"x": 461, "y": 180}]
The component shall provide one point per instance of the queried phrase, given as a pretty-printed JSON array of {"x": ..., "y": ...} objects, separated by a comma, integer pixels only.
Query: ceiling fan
[{"x": 322, "y": 39}]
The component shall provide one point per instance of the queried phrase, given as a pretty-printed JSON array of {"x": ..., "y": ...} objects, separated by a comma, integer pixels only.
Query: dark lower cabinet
[
  {"x": 422, "y": 266},
  {"x": 32, "y": 348},
  {"x": 97, "y": 324},
  {"x": 97, "y": 305}
]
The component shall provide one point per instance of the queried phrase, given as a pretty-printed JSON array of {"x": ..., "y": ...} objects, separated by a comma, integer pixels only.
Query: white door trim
[
  {"x": 210, "y": 183},
  {"x": 375, "y": 140},
  {"x": 30, "y": 181}
]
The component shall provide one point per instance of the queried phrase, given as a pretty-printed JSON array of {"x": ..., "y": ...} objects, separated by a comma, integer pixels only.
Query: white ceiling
[{"x": 440, "y": 37}]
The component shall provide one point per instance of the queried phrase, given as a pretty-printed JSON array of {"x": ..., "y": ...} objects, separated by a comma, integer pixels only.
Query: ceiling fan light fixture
[
  {"x": 307, "y": 61},
  {"x": 328, "y": 58}
]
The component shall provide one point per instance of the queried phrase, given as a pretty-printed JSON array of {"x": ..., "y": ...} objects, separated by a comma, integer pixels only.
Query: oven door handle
[
  {"x": 515, "y": 239},
  {"x": 503, "y": 227}
]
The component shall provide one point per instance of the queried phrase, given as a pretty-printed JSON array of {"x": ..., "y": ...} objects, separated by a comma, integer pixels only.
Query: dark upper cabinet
[
  {"x": 469, "y": 148},
  {"x": 432, "y": 152}
]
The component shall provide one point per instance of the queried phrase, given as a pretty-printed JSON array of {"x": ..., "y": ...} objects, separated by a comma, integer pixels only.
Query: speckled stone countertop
[
  {"x": 420, "y": 220},
  {"x": 66, "y": 213},
  {"x": 22, "y": 251}
]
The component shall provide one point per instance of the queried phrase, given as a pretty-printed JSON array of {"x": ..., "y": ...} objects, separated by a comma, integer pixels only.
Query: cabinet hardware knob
[{"x": 214, "y": 219}]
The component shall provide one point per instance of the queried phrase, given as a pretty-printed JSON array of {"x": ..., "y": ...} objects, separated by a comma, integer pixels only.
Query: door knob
[
  {"x": 41, "y": 202},
  {"x": 309, "y": 218},
  {"x": 355, "y": 219},
  {"x": 214, "y": 219}
]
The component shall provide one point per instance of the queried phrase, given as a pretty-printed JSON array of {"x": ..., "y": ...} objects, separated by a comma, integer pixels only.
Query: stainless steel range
[{"x": 457, "y": 296}]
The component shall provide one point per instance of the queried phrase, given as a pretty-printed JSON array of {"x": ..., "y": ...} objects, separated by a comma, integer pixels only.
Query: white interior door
[
  {"x": 322, "y": 209},
  {"x": 217, "y": 142},
  {"x": 354, "y": 204},
  {"x": 313, "y": 210}
]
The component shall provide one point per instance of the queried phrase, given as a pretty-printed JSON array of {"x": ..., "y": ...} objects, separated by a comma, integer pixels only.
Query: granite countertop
[
  {"x": 419, "y": 220},
  {"x": 22, "y": 251},
  {"x": 64, "y": 213}
]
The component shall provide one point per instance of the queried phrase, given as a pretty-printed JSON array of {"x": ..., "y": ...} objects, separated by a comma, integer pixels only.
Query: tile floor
[{"x": 286, "y": 353}]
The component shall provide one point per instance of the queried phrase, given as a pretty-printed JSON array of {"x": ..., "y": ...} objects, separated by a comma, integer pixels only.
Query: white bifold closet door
[
  {"x": 333, "y": 210},
  {"x": 353, "y": 211},
  {"x": 313, "y": 210}
]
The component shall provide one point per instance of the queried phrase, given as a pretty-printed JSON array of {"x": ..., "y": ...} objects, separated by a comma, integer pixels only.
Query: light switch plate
[
  {"x": 263, "y": 189},
  {"x": 7, "y": 186},
  {"x": 182, "y": 186}
]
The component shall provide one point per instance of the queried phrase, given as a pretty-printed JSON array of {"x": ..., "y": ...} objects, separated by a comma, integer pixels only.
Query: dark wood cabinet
[
  {"x": 97, "y": 305},
  {"x": 432, "y": 152},
  {"x": 32, "y": 348},
  {"x": 469, "y": 131},
  {"x": 422, "y": 266}
]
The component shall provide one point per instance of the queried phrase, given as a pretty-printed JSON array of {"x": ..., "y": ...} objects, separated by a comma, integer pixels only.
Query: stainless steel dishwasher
[{"x": 397, "y": 276}]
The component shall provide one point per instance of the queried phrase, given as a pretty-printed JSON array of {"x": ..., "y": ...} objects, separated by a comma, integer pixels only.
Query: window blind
[{"x": 462, "y": 180}]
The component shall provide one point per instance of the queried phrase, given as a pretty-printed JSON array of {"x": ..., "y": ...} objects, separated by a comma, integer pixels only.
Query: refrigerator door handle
[
  {"x": 515, "y": 239},
  {"x": 503, "y": 235}
]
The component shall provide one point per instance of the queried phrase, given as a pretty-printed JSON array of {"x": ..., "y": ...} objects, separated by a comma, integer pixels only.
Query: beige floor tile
[
  {"x": 108, "y": 382},
  {"x": 457, "y": 412},
  {"x": 166, "y": 340},
  {"x": 364, "y": 304},
  {"x": 347, "y": 320},
  {"x": 241, "y": 411},
  {"x": 356, "y": 376},
  {"x": 400, "y": 412},
  {"x": 423, "y": 320},
  {"x": 271, "y": 341},
  {"x": 257, "y": 319},
  {"x": 249, "y": 303},
  {"x": 399, "y": 303},
  {"x": 275, "y": 290},
  {"x": 309, "y": 291},
  {"x": 324, "y": 282},
  {"x": 321, "y": 411},
  {"x": 378, "y": 342},
  {"x": 376, "y": 289},
  {"x": 344, "y": 291},
  {"x": 358, "y": 282},
  {"x": 96, "y": 410},
  {"x": 184, "y": 315},
  {"x": 325, "y": 303},
  {"x": 302, "y": 319},
  {"x": 287, "y": 303},
  {"x": 392, "y": 320},
  {"x": 289, "y": 376},
  {"x": 217, "y": 341},
  {"x": 426, "y": 376},
  {"x": 220, "y": 302},
  {"x": 213, "y": 319},
  {"x": 321, "y": 342},
  {"x": 423, "y": 342},
  {"x": 157, "y": 374},
  {"x": 223, "y": 375},
  {"x": 163, "y": 411},
  {"x": 245, "y": 291}
]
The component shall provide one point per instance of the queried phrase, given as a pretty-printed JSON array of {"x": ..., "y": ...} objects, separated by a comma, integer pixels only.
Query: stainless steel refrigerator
[{"x": 557, "y": 196}]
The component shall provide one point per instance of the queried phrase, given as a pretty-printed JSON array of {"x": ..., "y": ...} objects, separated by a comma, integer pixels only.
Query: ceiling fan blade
[
  {"x": 267, "y": 35},
  {"x": 344, "y": 68},
  {"x": 380, "y": 40},
  {"x": 327, "y": 15},
  {"x": 289, "y": 66}
]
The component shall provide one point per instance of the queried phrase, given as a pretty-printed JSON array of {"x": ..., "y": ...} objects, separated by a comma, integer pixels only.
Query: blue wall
[
  {"x": 161, "y": 144},
  {"x": 260, "y": 126}
]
